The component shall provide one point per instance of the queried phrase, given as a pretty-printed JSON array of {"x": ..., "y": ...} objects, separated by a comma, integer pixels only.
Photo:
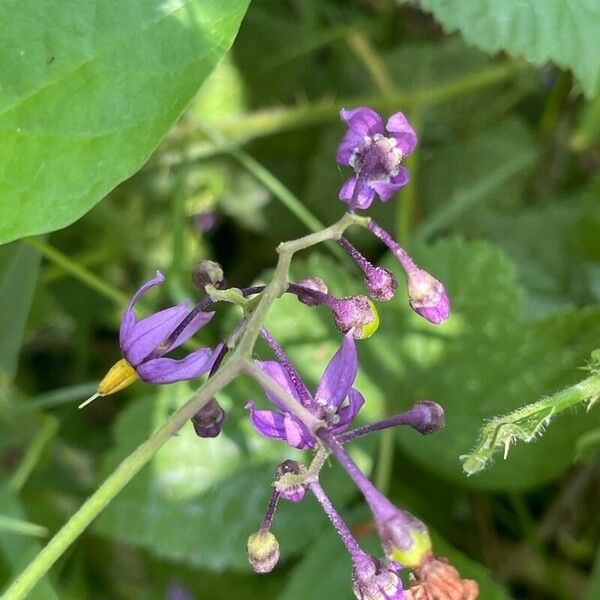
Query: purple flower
[
  {"x": 140, "y": 339},
  {"x": 327, "y": 404},
  {"x": 374, "y": 155}
]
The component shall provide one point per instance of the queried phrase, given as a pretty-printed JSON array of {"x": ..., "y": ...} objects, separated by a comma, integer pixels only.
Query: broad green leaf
[
  {"x": 199, "y": 499},
  {"x": 88, "y": 91},
  {"x": 562, "y": 31},
  {"x": 556, "y": 250},
  {"x": 530, "y": 422},
  {"x": 18, "y": 275}
]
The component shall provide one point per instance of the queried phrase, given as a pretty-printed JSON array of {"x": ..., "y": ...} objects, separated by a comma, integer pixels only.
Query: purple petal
[
  {"x": 347, "y": 413},
  {"x": 201, "y": 319},
  {"x": 350, "y": 142},
  {"x": 363, "y": 121},
  {"x": 386, "y": 190},
  {"x": 365, "y": 196},
  {"x": 339, "y": 374},
  {"x": 405, "y": 135},
  {"x": 279, "y": 375},
  {"x": 145, "y": 335},
  {"x": 169, "y": 370},
  {"x": 280, "y": 426},
  {"x": 128, "y": 320}
]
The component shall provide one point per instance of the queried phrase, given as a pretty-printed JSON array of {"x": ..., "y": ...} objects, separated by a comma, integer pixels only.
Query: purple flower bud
[
  {"x": 312, "y": 283},
  {"x": 208, "y": 272},
  {"x": 357, "y": 313},
  {"x": 263, "y": 551},
  {"x": 426, "y": 417},
  {"x": 287, "y": 481},
  {"x": 375, "y": 581},
  {"x": 381, "y": 283},
  {"x": 428, "y": 296},
  {"x": 208, "y": 421}
]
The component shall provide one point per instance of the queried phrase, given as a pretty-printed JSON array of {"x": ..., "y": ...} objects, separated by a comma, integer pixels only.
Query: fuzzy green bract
[
  {"x": 88, "y": 90},
  {"x": 562, "y": 31}
]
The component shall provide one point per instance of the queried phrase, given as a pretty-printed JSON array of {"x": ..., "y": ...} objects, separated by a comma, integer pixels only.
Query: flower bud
[
  {"x": 426, "y": 417},
  {"x": 358, "y": 313},
  {"x": 381, "y": 283},
  {"x": 312, "y": 283},
  {"x": 208, "y": 421},
  {"x": 208, "y": 272},
  {"x": 405, "y": 539},
  {"x": 427, "y": 296},
  {"x": 287, "y": 483},
  {"x": 263, "y": 551},
  {"x": 373, "y": 581}
]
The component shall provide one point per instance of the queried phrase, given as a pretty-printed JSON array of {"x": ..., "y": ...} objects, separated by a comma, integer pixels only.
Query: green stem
[
  {"x": 34, "y": 453},
  {"x": 77, "y": 524},
  {"x": 364, "y": 50},
  {"x": 275, "y": 120},
  {"x": 66, "y": 264},
  {"x": 143, "y": 454}
]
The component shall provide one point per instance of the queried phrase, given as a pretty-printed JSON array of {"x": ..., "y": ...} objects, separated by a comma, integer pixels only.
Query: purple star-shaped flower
[
  {"x": 375, "y": 154},
  {"x": 327, "y": 404},
  {"x": 140, "y": 339}
]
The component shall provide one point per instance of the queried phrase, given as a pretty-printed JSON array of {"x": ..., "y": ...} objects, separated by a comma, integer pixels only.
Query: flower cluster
[{"x": 319, "y": 420}]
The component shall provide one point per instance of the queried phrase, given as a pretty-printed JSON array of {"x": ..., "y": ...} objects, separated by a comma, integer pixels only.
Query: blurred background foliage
[{"x": 503, "y": 207}]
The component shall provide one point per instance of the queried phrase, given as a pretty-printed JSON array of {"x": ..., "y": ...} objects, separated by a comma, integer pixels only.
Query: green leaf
[
  {"x": 558, "y": 264},
  {"x": 563, "y": 31},
  {"x": 199, "y": 499},
  {"x": 17, "y": 283},
  {"x": 88, "y": 91},
  {"x": 530, "y": 421}
]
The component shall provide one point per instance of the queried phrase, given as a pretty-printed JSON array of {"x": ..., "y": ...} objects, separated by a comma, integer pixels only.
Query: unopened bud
[
  {"x": 405, "y": 539},
  {"x": 263, "y": 551},
  {"x": 288, "y": 480},
  {"x": 208, "y": 421},
  {"x": 357, "y": 313},
  {"x": 311, "y": 283},
  {"x": 428, "y": 296},
  {"x": 373, "y": 580},
  {"x": 208, "y": 272},
  {"x": 381, "y": 283},
  {"x": 426, "y": 417},
  {"x": 206, "y": 221}
]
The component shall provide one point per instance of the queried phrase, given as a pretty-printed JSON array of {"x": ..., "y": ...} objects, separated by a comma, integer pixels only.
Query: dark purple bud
[
  {"x": 208, "y": 272},
  {"x": 263, "y": 551},
  {"x": 373, "y": 580},
  {"x": 208, "y": 421},
  {"x": 206, "y": 221},
  {"x": 312, "y": 283},
  {"x": 357, "y": 313},
  {"x": 426, "y": 417},
  {"x": 381, "y": 283},
  {"x": 288, "y": 480},
  {"x": 428, "y": 296}
]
